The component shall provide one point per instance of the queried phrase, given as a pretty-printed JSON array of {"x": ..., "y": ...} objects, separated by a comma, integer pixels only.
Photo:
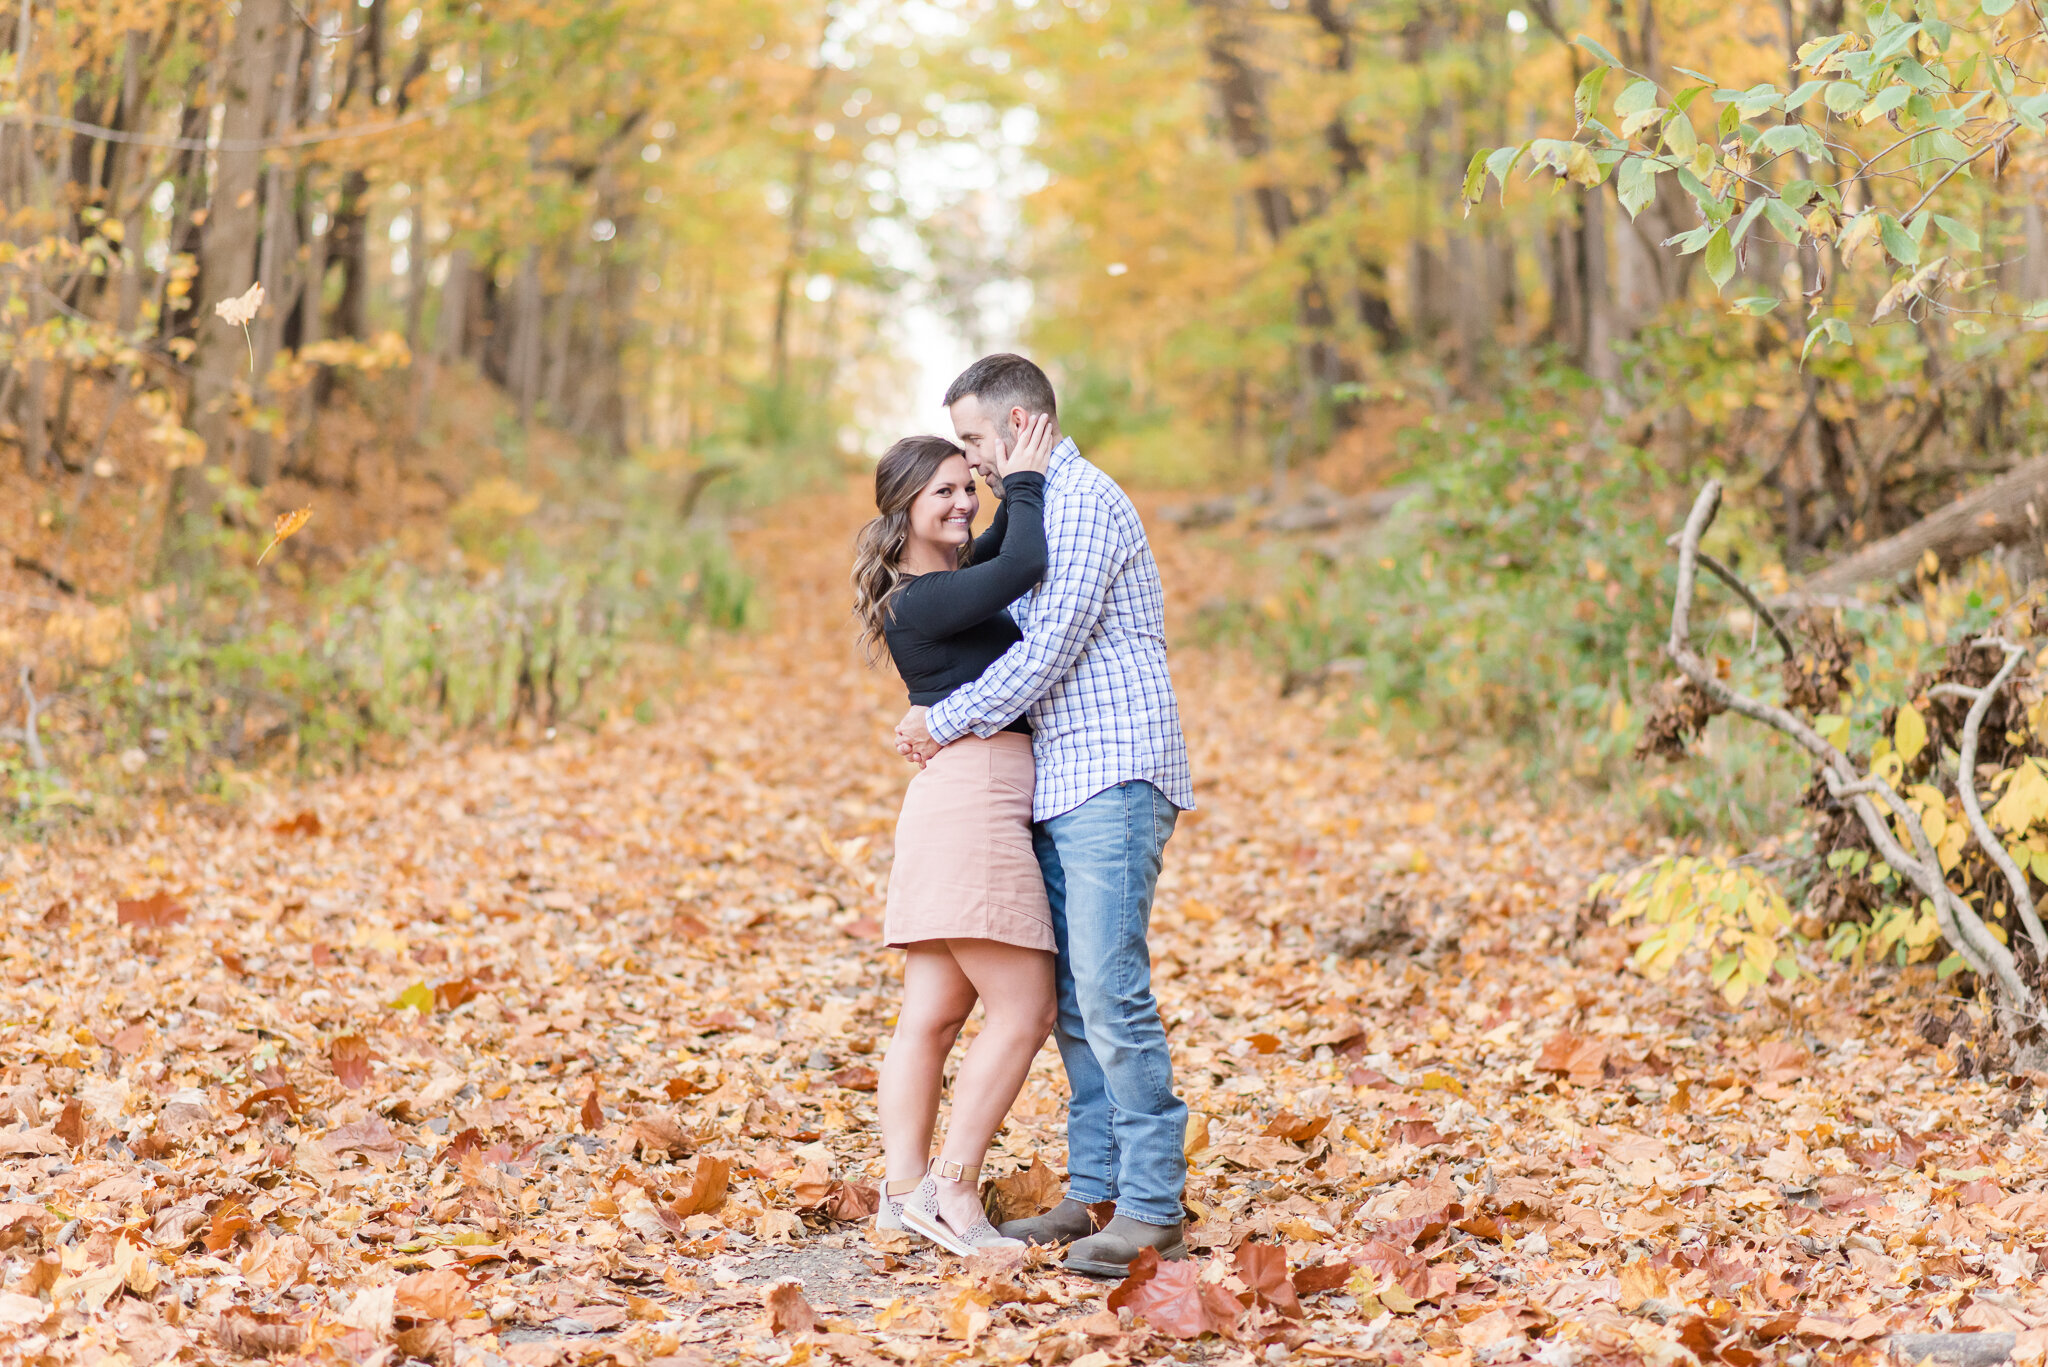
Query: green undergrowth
[
  {"x": 524, "y": 621},
  {"x": 1516, "y": 604}
]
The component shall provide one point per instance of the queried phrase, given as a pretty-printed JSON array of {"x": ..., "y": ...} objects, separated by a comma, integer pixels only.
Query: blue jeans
[{"x": 1125, "y": 1127}]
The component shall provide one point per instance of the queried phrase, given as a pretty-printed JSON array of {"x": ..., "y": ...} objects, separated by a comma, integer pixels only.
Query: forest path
[{"x": 1405, "y": 1046}]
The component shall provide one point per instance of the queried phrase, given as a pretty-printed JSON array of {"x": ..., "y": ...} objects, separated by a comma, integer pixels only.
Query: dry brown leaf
[
  {"x": 442, "y": 1294},
  {"x": 349, "y": 1056},
  {"x": 151, "y": 913},
  {"x": 1021, "y": 1195},
  {"x": 660, "y": 1136},
  {"x": 708, "y": 1182},
  {"x": 286, "y": 526},
  {"x": 786, "y": 1310}
]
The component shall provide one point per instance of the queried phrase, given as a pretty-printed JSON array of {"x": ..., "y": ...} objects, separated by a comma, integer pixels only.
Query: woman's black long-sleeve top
[{"x": 944, "y": 629}]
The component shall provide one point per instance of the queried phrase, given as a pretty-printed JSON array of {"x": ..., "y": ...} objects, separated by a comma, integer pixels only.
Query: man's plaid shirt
[{"x": 1091, "y": 669}]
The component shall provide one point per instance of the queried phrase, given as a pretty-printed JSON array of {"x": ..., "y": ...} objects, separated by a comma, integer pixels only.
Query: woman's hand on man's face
[{"x": 1032, "y": 451}]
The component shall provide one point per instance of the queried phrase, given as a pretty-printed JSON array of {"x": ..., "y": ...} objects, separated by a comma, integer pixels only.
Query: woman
[{"x": 966, "y": 901}]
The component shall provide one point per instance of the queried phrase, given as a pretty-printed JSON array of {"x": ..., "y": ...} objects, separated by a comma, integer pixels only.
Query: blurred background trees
[{"x": 536, "y": 277}]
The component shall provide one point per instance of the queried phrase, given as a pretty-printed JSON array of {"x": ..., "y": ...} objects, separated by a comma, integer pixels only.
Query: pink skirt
[{"x": 964, "y": 868}]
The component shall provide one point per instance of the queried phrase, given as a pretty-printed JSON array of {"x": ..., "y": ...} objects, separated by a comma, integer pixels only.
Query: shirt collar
[{"x": 1066, "y": 453}]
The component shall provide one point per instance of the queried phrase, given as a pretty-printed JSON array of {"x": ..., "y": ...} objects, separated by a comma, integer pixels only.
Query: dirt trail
[{"x": 642, "y": 956}]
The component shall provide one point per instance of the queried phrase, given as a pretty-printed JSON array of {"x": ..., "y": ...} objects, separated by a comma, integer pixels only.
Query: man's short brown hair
[{"x": 1003, "y": 382}]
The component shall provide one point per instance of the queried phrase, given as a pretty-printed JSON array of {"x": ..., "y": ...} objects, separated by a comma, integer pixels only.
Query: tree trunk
[
  {"x": 228, "y": 266},
  {"x": 523, "y": 363},
  {"x": 799, "y": 216}
]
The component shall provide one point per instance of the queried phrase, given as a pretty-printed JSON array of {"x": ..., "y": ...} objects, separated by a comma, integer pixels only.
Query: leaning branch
[
  {"x": 1966, "y": 788},
  {"x": 1959, "y": 922}
]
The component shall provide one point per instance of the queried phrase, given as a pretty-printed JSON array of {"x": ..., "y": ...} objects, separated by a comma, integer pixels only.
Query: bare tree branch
[
  {"x": 1966, "y": 788},
  {"x": 1960, "y": 925}
]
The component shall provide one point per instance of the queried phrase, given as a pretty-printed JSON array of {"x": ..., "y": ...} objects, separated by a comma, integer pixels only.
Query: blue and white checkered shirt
[{"x": 1091, "y": 669}]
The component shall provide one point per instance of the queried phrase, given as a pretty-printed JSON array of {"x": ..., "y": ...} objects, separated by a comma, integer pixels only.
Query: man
[{"x": 1113, "y": 777}]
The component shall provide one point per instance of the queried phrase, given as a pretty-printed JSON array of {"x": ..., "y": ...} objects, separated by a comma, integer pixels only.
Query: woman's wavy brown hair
[{"x": 900, "y": 476}]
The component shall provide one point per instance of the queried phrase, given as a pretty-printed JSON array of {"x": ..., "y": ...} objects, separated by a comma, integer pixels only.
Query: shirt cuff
[{"x": 942, "y": 727}]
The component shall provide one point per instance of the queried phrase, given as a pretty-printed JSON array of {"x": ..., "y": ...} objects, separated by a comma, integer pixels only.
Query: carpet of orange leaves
[{"x": 565, "y": 1054}]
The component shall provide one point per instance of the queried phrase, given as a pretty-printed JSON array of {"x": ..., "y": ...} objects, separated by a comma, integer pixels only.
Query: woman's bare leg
[
  {"x": 1015, "y": 987},
  {"x": 937, "y": 997}
]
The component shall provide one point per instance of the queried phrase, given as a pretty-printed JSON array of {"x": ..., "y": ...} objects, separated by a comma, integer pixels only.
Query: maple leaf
[
  {"x": 252, "y": 1333},
  {"x": 1296, "y": 1129},
  {"x": 1581, "y": 1059},
  {"x": 241, "y": 310},
  {"x": 349, "y": 1056},
  {"x": 151, "y": 913},
  {"x": 849, "y": 1202},
  {"x": 855, "y": 1077},
  {"x": 456, "y": 992},
  {"x": 1263, "y": 1268},
  {"x": 786, "y": 1311},
  {"x": 371, "y": 1135},
  {"x": 660, "y": 1136},
  {"x": 70, "y": 1123},
  {"x": 284, "y": 1098},
  {"x": 462, "y": 1146},
  {"x": 286, "y": 526},
  {"x": 230, "y": 1222},
  {"x": 1022, "y": 1195},
  {"x": 440, "y": 1294},
  {"x": 1172, "y": 1298},
  {"x": 708, "y": 1185},
  {"x": 1320, "y": 1277}
]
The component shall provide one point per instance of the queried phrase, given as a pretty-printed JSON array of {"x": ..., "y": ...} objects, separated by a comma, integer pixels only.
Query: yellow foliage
[
  {"x": 1733, "y": 913},
  {"x": 1909, "y": 733},
  {"x": 2026, "y": 799}
]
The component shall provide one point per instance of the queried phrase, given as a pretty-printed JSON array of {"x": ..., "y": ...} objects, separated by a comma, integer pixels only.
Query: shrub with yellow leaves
[{"x": 1734, "y": 913}]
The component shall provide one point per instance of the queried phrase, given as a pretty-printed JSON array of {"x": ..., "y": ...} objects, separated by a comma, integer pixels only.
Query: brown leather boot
[
  {"x": 1064, "y": 1223},
  {"x": 1109, "y": 1253}
]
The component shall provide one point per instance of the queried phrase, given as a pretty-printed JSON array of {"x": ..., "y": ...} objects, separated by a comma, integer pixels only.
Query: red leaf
[
  {"x": 1385, "y": 1260},
  {"x": 1421, "y": 1133},
  {"x": 1298, "y": 1129},
  {"x": 679, "y": 1087},
  {"x": 1165, "y": 1295},
  {"x": 230, "y": 1222},
  {"x": 855, "y": 1077},
  {"x": 323, "y": 957},
  {"x": 305, "y": 823},
  {"x": 593, "y": 1112},
  {"x": 456, "y": 991},
  {"x": 349, "y": 1057},
  {"x": 285, "y": 1097},
  {"x": 151, "y": 913},
  {"x": 1313, "y": 1281},
  {"x": 1263, "y": 1268},
  {"x": 462, "y": 1145}
]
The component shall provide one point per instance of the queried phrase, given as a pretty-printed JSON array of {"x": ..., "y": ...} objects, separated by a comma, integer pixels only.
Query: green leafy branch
[{"x": 1795, "y": 161}]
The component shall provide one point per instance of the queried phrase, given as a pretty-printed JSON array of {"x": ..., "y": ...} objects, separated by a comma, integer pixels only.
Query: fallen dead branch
[{"x": 2012, "y": 508}]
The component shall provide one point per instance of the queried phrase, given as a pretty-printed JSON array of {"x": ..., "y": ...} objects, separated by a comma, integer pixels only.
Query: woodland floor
[{"x": 631, "y": 1083}]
